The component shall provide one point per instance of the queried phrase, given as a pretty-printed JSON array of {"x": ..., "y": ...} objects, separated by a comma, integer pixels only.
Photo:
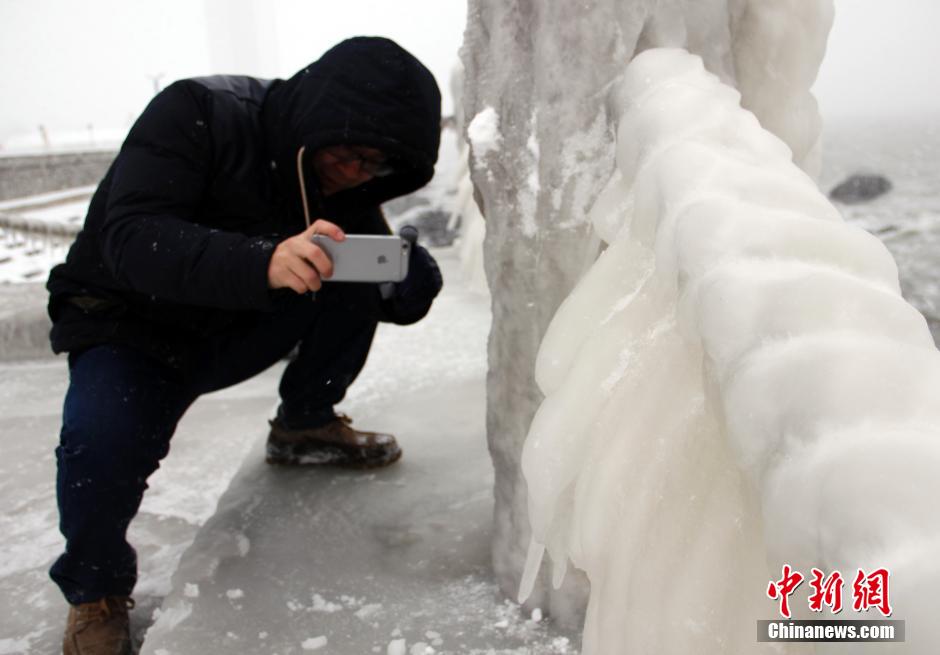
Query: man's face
[{"x": 342, "y": 167}]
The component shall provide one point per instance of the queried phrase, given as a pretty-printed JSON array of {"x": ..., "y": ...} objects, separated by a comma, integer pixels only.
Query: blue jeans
[{"x": 122, "y": 407}]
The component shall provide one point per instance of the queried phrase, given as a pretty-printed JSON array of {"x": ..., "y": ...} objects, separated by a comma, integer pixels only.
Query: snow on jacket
[{"x": 180, "y": 231}]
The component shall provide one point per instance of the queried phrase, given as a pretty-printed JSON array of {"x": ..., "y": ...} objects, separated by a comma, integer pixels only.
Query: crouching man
[{"x": 194, "y": 271}]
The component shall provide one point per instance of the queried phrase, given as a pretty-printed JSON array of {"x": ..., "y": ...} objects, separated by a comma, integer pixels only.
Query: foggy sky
[
  {"x": 881, "y": 60},
  {"x": 67, "y": 64}
]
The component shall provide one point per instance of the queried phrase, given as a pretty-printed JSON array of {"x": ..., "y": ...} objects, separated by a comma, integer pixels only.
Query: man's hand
[
  {"x": 300, "y": 264},
  {"x": 412, "y": 297}
]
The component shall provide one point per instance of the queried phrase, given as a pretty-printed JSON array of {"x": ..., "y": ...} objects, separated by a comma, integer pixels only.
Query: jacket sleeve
[{"x": 151, "y": 239}]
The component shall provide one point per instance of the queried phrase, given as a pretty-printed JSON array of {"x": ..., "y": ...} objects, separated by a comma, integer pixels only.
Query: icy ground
[
  {"x": 389, "y": 560},
  {"x": 183, "y": 495}
]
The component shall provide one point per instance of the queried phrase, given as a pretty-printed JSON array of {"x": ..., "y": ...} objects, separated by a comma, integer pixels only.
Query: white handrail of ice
[{"x": 736, "y": 384}]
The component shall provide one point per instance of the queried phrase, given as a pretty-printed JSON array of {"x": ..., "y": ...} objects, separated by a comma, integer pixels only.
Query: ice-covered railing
[
  {"x": 735, "y": 384},
  {"x": 38, "y": 227},
  {"x": 35, "y": 232}
]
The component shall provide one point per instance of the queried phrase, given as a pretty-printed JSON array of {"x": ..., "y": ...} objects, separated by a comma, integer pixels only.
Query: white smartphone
[{"x": 366, "y": 257}]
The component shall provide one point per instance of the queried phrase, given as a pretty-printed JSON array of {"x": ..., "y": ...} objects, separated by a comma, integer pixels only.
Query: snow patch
[
  {"x": 368, "y": 611},
  {"x": 15, "y": 645},
  {"x": 314, "y": 643},
  {"x": 484, "y": 136},
  {"x": 166, "y": 619},
  {"x": 320, "y": 604}
]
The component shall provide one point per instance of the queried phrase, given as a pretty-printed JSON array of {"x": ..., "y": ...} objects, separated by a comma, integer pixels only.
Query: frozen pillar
[{"x": 546, "y": 149}]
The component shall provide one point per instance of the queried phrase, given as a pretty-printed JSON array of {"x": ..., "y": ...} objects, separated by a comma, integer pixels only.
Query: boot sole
[{"x": 357, "y": 458}]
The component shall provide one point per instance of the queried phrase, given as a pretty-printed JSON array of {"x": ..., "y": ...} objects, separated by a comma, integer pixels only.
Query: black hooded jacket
[{"x": 180, "y": 231}]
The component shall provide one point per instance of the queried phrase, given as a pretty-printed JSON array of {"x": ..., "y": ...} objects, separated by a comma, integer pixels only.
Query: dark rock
[
  {"x": 860, "y": 188},
  {"x": 432, "y": 226}
]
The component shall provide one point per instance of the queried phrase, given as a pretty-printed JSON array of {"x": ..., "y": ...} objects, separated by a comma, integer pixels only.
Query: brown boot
[
  {"x": 99, "y": 628},
  {"x": 335, "y": 444}
]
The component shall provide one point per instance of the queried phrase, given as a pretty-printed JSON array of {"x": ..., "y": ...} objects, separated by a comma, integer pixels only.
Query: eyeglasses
[{"x": 371, "y": 165}]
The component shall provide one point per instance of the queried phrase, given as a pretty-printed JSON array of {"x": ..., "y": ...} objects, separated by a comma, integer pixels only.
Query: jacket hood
[{"x": 364, "y": 91}]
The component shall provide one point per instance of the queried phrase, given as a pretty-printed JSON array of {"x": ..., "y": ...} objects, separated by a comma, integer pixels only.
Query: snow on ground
[
  {"x": 80, "y": 194},
  {"x": 27, "y": 258}
]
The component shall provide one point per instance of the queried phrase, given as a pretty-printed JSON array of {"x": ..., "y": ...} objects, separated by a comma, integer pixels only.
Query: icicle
[
  {"x": 533, "y": 562},
  {"x": 559, "y": 570}
]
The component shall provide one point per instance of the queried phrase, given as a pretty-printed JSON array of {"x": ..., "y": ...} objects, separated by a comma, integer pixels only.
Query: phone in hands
[{"x": 366, "y": 257}]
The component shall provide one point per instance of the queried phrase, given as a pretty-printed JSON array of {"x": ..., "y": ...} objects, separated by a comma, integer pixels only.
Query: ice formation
[
  {"x": 466, "y": 216},
  {"x": 545, "y": 69},
  {"x": 734, "y": 324},
  {"x": 472, "y": 227}
]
